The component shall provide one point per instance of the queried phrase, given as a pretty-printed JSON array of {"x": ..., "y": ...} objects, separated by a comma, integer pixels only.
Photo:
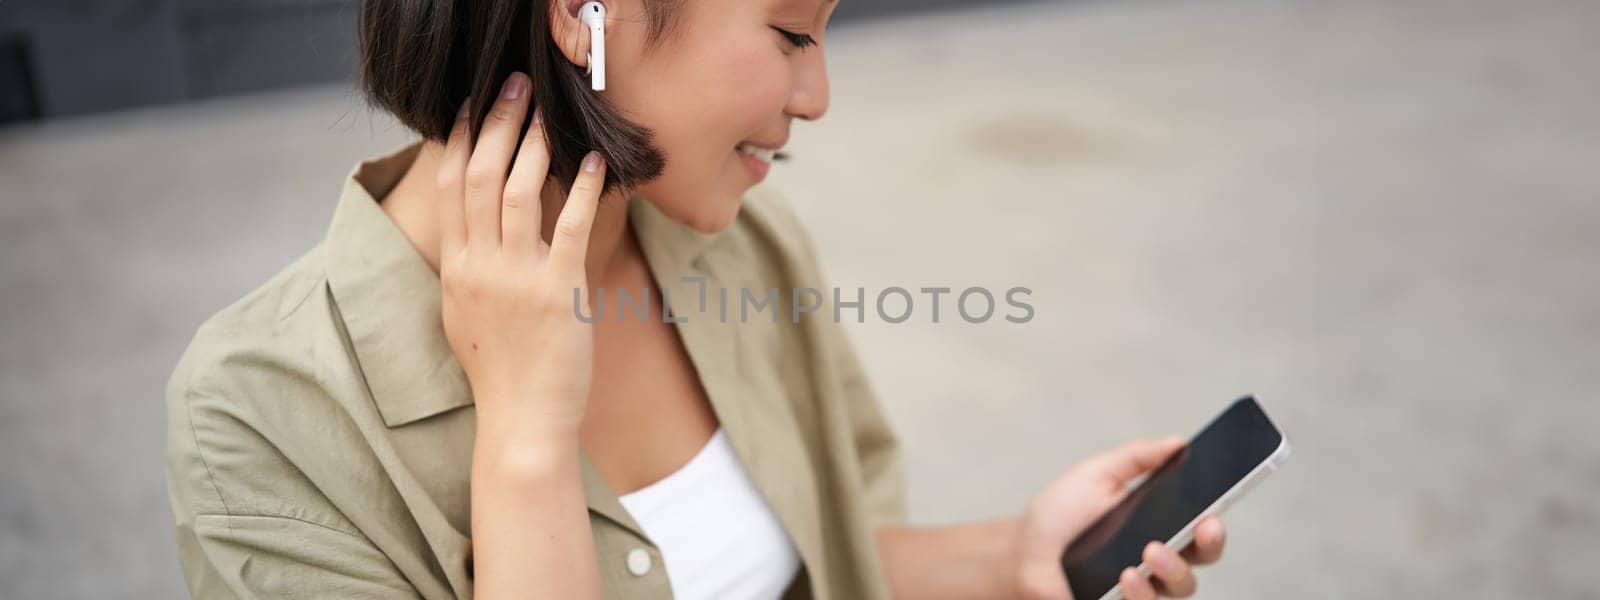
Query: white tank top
[{"x": 717, "y": 536}]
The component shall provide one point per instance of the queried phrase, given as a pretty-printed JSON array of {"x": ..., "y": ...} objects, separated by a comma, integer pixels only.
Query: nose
[{"x": 809, "y": 99}]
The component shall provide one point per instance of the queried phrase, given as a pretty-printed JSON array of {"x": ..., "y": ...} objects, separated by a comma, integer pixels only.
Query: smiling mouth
[{"x": 762, "y": 154}]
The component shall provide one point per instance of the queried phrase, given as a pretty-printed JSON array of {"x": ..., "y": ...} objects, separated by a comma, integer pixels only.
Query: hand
[
  {"x": 1070, "y": 504},
  {"x": 508, "y": 306}
]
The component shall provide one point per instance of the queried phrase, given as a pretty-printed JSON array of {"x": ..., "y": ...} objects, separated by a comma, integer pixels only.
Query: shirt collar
[{"x": 389, "y": 298}]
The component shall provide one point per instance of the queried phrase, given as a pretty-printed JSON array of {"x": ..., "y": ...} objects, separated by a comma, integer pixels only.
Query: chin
[
  {"x": 706, "y": 209},
  {"x": 703, "y": 216}
]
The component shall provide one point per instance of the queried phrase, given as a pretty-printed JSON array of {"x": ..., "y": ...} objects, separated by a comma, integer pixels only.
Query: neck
[{"x": 412, "y": 206}]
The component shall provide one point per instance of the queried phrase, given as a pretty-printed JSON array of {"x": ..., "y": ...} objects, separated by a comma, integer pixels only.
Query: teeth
[{"x": 762, "y": 154}]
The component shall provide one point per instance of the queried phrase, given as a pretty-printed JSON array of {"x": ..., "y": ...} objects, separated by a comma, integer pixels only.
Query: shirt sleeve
[
  {"x": 259, "y": 556},
  {"x": 877, "y": 447},
  {"x": 236, "y": 543}
]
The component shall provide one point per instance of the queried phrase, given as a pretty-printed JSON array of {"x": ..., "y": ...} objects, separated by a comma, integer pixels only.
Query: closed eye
[{"x": 800, "y": 40}]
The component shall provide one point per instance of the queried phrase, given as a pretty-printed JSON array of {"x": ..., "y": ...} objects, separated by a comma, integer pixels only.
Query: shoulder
[
  {"x": 271, "y": 320},
  {"x": 259, "y": 316},
  {"x": 248, "y": 376}
]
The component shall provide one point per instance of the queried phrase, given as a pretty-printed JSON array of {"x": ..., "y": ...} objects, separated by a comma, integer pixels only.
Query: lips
[
  {"x": 756, "y": 159},
  {"x": 762, "y": 154}
]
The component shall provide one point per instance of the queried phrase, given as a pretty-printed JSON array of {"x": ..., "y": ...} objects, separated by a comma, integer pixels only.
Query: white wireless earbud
[{"x": 593, "y": 14}]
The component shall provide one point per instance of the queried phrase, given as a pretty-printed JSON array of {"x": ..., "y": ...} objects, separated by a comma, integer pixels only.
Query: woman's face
[{"x": 725, "y": 76}]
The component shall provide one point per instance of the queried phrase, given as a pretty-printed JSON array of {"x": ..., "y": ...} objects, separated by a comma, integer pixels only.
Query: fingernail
[
  {"x": 538, "y": 115},
  {"x": 515, "y": 84},
  {"x": 591, "y": 162}
]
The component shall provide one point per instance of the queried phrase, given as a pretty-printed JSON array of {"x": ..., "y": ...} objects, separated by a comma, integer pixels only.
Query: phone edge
[{"x": 1257, "y": 474}]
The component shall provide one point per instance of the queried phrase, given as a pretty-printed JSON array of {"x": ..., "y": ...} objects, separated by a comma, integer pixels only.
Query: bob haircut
[{"x": 420, "y": 59}]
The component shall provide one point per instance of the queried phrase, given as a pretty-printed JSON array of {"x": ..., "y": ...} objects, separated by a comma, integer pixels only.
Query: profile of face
[
  {"x": 731, "y": 73},
  {"x": 688, "y": 83}
]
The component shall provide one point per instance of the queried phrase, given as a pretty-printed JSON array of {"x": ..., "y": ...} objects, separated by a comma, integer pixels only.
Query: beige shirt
[{"x": 320, "y": 431}]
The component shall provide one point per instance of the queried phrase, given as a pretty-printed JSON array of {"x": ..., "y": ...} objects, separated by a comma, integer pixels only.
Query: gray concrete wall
[{"x": 91, "y": 56}]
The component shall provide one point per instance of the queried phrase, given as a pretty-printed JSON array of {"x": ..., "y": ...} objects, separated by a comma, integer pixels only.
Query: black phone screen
[{"x": 1174, "y": 495}]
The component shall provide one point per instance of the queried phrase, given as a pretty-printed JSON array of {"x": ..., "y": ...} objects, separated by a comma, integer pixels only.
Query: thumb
[
  {"x": 1135, "y": 458},
  {"x": 1093, "y": 486}
]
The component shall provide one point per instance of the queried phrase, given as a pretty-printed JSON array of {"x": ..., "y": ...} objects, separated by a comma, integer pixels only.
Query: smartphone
[{"x": 1234, "y": 452}]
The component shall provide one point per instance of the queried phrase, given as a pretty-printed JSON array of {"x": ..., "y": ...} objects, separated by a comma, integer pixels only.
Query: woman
[{"x": 430, "y": 404}]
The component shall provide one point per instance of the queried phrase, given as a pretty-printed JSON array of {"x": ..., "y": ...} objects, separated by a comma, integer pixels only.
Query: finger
[
  {"x": 448, "y": 192},
  {"x": 519, "y": 217},
  {"x": 1209, "y": 538},
  {"x": 491, "y": 158},
  {"x": 1172, "y": 575},
  {"x": 1136, "y": 458},
  {"x": 1135, "y": 586},
  {"x": 570, "y": 244}
]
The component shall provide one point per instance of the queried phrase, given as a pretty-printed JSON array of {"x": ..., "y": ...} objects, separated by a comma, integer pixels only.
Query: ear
[{"x": 569, "y": 33}]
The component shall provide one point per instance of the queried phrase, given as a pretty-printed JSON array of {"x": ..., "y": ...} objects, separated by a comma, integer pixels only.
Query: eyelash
[{"x": 800, "y": 40}]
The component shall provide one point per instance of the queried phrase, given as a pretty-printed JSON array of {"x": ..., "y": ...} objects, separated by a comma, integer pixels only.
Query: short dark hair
[{"x": 420, "y": 59}]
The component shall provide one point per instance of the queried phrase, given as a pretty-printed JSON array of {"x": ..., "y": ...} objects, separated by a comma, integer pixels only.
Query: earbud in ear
[{"x": 593, "y": 14}]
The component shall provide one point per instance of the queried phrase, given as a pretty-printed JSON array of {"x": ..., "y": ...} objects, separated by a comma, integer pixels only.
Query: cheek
[
  {"x": 711, "y": 100},
  {"x": 701, "y": 105},
  {"x": 731, "y": 92},
  {"x": 756, "y": 87}
]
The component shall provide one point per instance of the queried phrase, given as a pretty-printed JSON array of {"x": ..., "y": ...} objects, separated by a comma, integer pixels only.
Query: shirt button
[{"x": 638, "y": 561}]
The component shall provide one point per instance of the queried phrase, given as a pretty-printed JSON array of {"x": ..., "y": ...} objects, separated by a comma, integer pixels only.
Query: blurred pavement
[{"x": 1380, "y": 217}]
